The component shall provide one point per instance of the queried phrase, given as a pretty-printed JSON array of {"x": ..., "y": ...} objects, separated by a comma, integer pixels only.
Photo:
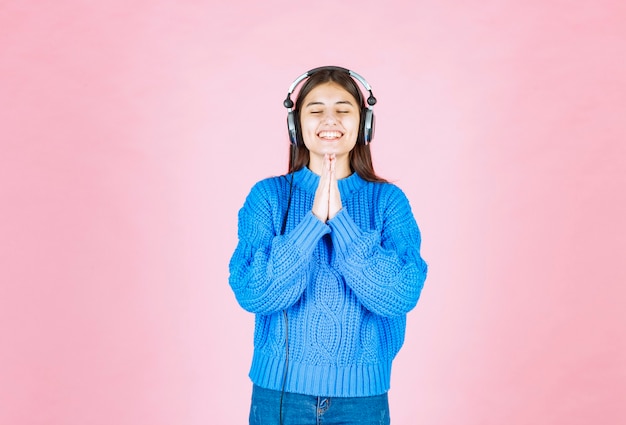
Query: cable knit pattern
[{"x": 346, "y": 285}]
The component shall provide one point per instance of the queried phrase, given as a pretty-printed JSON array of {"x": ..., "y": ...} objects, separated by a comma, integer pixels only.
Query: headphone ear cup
[
  {"x": 291, "y": 127},
  {"x": 368, "y": 125}
]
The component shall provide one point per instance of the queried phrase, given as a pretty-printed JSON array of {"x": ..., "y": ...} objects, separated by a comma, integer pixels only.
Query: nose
[{"x": 329, "y": 118}]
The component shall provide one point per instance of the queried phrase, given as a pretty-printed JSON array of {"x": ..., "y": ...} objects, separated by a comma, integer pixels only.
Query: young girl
[{"x": 329, "y": 261}]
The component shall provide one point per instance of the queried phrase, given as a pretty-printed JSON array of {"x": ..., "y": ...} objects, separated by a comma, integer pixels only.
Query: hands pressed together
[{"x": 327, "y": 202}]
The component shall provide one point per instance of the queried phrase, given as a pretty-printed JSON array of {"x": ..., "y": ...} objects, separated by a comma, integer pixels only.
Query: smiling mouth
[{"x": 330, "y": 135}]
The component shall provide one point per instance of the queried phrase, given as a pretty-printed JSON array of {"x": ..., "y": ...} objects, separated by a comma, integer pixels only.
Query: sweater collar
[{"x": 308, "y": 181}]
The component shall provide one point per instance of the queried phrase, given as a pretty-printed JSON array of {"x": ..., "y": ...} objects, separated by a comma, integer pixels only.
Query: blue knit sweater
[{"x": 344, "y": 286}]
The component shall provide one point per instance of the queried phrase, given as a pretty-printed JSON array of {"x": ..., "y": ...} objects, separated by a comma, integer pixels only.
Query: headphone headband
[
  {"x": 288, "y": 103},
  {"x": 367, "y": 121}
]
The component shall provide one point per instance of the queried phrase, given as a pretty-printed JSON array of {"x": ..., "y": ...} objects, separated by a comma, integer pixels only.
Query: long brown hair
[{"x": 360, "y": 156}]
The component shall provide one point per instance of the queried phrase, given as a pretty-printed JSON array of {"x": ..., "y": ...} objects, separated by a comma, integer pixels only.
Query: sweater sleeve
[
  {"x": 383, "y": 267},
  {"x": 269, "y": 272}
]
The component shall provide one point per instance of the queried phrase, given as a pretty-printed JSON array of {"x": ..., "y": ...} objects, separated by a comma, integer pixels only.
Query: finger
[
  {"x": 326, "y": 170},
  {"x": 334, "y": 199},
  {"x": 322, "y": 194}
]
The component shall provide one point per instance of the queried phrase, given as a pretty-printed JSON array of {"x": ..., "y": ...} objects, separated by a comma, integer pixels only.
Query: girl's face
[{"x": 329, "y": 120}]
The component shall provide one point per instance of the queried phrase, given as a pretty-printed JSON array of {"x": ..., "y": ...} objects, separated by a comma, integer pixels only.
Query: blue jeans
[{"x": 299, "y": 409}]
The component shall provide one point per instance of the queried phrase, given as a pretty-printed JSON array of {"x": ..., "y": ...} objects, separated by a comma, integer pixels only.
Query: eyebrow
[{"x": 341, "y": 102}]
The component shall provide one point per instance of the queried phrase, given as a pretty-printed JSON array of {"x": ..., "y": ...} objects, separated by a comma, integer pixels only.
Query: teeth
[{"x": 330, "y": 134}]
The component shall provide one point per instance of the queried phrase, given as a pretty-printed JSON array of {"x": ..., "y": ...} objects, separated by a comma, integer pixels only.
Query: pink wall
[{"x": 130, "y": 136}]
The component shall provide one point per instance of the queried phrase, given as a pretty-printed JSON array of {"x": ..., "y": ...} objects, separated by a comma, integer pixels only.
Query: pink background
[{"x": 131, "y": 133}]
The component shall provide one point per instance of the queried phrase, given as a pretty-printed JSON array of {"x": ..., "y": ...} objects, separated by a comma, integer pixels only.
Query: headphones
[{"x": 367, "y": 114}]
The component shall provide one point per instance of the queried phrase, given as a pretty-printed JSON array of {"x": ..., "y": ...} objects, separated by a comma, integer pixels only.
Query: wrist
[{"x": 319, "y": 217}]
